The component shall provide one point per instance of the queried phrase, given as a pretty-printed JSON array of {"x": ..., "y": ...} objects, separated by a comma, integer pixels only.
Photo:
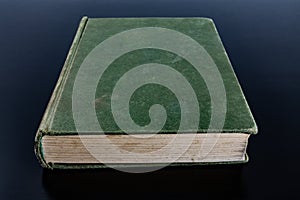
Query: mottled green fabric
[{"x": 238, "y": 116}]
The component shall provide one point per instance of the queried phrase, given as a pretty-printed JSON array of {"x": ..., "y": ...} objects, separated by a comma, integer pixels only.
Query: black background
[{"x": 262, "y": 39}]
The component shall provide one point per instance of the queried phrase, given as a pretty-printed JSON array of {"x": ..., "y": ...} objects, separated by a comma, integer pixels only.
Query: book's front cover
[{"x": 150, "y": 75}]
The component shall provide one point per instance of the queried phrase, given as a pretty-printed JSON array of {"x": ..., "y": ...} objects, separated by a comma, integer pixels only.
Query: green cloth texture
[{"x": 238, "y": 116}]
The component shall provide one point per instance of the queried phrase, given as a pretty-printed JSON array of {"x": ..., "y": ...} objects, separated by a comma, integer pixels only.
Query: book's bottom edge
[{"x": 120, "y": 166}]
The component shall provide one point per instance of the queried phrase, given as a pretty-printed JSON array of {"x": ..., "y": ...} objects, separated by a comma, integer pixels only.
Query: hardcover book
[{"x": 141, "y": 92}]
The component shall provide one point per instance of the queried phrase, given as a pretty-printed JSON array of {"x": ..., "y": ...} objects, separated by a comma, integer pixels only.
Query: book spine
[{"x": 48, "y": 115}]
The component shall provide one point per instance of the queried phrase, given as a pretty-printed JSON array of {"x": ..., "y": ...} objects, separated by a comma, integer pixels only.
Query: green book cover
[{"x": 145, "y": 75}]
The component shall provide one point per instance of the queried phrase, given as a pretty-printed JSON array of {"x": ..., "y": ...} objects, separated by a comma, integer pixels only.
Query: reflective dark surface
[{"x": 262, "y": 39}]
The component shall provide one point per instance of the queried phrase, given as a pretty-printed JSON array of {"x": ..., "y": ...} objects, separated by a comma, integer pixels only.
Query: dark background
[{"x": 262, "y": 39}]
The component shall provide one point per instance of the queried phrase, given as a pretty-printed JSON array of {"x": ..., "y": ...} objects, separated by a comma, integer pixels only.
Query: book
[{"x": 145, "y": 92}]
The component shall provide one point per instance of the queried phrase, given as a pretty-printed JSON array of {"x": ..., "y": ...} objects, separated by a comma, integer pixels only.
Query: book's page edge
[
  {"x": 50, "y": 109},
  {"x": 51, "y": 165}
]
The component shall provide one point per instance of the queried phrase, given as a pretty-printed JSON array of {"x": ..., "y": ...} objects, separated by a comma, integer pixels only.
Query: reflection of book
[{"x": 126, "y": 79}]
